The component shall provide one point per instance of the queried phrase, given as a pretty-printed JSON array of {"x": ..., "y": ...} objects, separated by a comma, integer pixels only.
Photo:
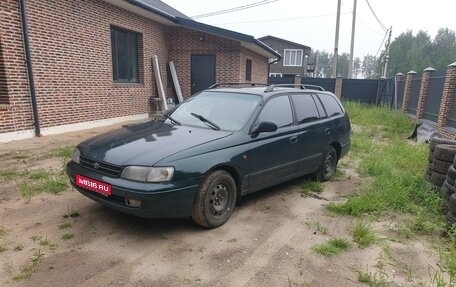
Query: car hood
[{"x": 146, "y": 143}]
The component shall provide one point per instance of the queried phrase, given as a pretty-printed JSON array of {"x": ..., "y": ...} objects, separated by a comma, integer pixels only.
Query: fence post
[
  {"x": 297, "y": 80},
  {"x": 449, "y": 89},
  {"x": 408, "y": 88},
  {"x": 338, "y": 87},
  {"x": 399, "y": 77},
  {"x": 424, "y": 91}
]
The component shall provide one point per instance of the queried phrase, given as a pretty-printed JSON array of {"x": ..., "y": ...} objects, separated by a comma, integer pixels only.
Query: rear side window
[
  {"x": 279, "y": 111},
  {"x": 306, "y": 111},
  {"x": 331, "y": 105}
]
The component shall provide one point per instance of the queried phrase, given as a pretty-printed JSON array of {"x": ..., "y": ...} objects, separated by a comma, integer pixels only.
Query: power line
[
  {"x": 282, "y": 19},
  {"x": 381, "y": 45},
  {"x": 375, "y": 15},
  {"x": 234, "y": 9}
]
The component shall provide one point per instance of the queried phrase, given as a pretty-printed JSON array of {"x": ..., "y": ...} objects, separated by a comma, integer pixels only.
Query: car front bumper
[{"x": 157, "y": 200}]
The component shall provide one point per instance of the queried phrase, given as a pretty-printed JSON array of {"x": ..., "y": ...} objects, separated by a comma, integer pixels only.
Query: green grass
[
  {"x": 373, "y": 280},
  {"x": 3, "y": 248},
  {"x": 333, "y": 247},
  {"x": 392, "y": 167},
  {"x": 30, "y": 267},
  {"x": 67, "y": 236},
  {"x": 64, "y": 152},
  {"x": 71, "y": 213},
  {"x": 34, "y": 182},
  {"x": 363, "y": 234},
  {"x": 11, "y": 175},
  {"x": 311, "y": 186},
  {"x": 65, "y": 225},
  {"x": 18, "y": 247},
  {"x": 44, "y": 242}
]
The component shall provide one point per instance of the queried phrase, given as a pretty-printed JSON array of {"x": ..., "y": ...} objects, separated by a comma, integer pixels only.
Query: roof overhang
[
  {"x": 144, "y": 10},
  {"x": 248, "y": 42}
]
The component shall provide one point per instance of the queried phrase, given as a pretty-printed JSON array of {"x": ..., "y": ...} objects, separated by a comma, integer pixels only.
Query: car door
[
  {"x": 273, "y": 155},
  {"x": 313, "y": 131}
]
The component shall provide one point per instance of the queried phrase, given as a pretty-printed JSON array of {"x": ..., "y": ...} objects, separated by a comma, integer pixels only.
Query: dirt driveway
[{"x": 66, "y": 239}]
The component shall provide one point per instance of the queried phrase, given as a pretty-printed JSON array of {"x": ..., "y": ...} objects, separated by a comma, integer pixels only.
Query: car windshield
[{"x": 216, "y": 110}]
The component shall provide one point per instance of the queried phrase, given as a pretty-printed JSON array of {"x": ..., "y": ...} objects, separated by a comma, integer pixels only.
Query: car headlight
[
  {"x": 76, "y": 155},
  {"x": 147, "y": 174}
]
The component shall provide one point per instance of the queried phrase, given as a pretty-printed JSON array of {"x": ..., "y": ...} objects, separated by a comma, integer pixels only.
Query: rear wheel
[
  {"x": 328, "y": 166},
  {"x": 215, "y": 199}
]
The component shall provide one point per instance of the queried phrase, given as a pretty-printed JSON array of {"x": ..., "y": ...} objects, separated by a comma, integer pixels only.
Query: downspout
[{"x": 36, "y": 121}]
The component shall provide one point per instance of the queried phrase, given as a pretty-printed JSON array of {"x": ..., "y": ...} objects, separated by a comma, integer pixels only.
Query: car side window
[
  {"x": 277, "y": 110},
  {"x": 331, "y": 105},
  {"x": 320, "y": 109},
  {"x": 306, "y": 110}
]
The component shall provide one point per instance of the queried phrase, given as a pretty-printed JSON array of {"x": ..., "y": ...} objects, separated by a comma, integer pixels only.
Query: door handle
[
  {"x": 327, "y": 131},
  {"x": 294, "y": 139}
]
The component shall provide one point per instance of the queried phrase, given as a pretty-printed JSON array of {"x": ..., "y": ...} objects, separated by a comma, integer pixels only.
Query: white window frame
[
  {"x": 292, "y": 62},
  {"x": 275, "y": 74}
]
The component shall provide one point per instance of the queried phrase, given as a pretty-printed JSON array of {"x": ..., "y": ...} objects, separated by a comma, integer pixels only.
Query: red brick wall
[
  {"x": 71, "y": 56},
  {"x": 185, "y": 42},
  {"x": 259, "y": 67},
  {"x": 70, "y": 43},
  {"x": 15, "y": 108}
]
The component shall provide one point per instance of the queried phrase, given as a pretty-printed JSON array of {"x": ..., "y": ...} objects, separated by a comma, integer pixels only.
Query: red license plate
[{"x": 93, "y": 185}]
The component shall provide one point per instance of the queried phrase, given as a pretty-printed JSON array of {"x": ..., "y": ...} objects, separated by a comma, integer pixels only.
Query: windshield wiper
[
  {"x": 172, "y": 120},
  {"x": 206, "y": 121}
]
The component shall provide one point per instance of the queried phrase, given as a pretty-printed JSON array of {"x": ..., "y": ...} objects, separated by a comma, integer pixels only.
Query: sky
[{"x": 313, "y": 23}]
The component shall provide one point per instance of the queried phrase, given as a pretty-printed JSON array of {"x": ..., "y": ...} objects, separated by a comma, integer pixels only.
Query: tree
[
  {"x": 323, "y": 64},
  {"x": 369, "y": 66},
  {"x": 443, "y": 50},
  {"x": 417, "y": 52}
]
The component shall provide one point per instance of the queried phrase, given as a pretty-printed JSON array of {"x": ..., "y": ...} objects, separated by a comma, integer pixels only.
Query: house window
[
  {"x": 125, "y": 55},
  {"x": 275, "y": 75},
  {"x": 248, "y": 70},
  {"x": 292, "y": 57},
  {"x": 4, "y": 100}
]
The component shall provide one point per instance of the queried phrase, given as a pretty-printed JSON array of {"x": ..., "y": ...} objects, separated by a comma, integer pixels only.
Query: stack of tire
[{"x": 441, "y": 172}]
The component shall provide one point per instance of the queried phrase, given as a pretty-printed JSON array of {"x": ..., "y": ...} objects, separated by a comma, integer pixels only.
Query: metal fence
[
  {"x": 400, "y": 88},
  {"x": 329, "y": 84},
  {"x": 414, "y": 95},
  {"x": 360, "y": 90},
  {"x": 434, "y": 97}
]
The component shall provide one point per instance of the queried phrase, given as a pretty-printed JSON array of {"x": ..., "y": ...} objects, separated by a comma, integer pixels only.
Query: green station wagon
[{"x": 200, "y": 157}]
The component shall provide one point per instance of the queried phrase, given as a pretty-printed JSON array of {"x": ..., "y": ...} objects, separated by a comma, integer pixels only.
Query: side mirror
[{"x": 264, "y": 127}]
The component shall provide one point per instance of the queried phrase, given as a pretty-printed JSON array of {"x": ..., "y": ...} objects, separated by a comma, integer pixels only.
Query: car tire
[
  {"x": 438, "y": 179},
  {"x": 440, "y": 166},
  {"x": 447, "y": 190},
  {"x": 445, "y": 152},
  {"x": 436, "y": 138},
  {"x": 215, "y": 199},
  {"x": 328, "y": 165},
  {"x": 452, "y": 203},
  {"x": 450, "y": 218}
]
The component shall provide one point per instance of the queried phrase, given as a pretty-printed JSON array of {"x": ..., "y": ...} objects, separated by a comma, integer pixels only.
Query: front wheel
[
  {"x": 328, "y": 165},
  {"x": 215, "y": 199}
]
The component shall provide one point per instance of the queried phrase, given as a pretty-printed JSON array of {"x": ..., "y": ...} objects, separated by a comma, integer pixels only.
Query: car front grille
[{"x": 102, "y": 167}]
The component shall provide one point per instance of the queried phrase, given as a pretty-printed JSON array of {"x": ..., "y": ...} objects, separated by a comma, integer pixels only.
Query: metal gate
[{"x": 385, "y": 93}]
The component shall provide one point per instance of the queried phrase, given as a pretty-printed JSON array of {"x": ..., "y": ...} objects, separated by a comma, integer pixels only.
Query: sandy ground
[{"x": 267, "y": 241}]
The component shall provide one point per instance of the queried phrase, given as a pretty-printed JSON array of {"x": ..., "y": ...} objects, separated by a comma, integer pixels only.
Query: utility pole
[
  {"x": 350, "y": 66},
  {"x": 387, "y": 52},
  {"x": 336, "y": 42}
]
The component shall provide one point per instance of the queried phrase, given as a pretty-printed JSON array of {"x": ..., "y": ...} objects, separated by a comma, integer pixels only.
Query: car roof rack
[
  {"x": 270, "y": 88},
  {"x": 216, "y": 85}
]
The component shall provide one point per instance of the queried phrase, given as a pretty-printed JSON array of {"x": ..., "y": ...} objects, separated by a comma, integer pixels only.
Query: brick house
[
  {"x": 91, "y": 61},
  {"x": 294, "y": 57}
]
